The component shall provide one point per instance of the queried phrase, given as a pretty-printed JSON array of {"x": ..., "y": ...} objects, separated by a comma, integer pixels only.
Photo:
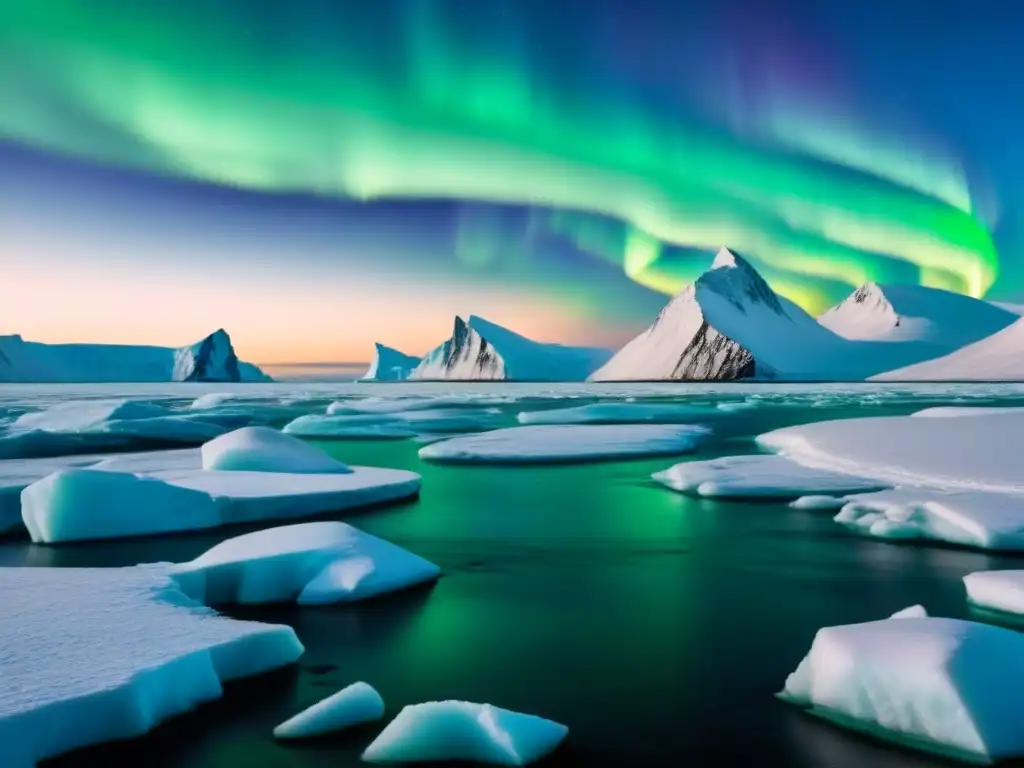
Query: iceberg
[
  {"x": 992, "y": 521},
  {"x": 262, "y": 449},
  {"x": 460, "y": 730},
  {"x": 568, "y": 442},
  {"x": 356, "y": 704},
  {"x": 944, "y": 686},
  {"x": 211, "y": 359},
  {"x": 481, "y": 350},
  {"x": 310, "y": 563},
  {"x": 86, "y": 503},
  {"x": 758, "y": 476},
  {"x": 98, "y": 654},
  {"x": 996, "y": 591},
  {"x": 971, "y": 454},
  {"x": 898, "y": 313},
  {"x": 816, "y": 503},
  {"x": 620, "y": 413},
  {"x": 390, "y": 365},
  {"x": 729, "y": 325}
]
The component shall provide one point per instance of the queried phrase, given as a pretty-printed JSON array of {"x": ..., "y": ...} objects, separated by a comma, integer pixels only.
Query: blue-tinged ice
[
  {"x": 461, "y": 730},
  {"x": 262, "y": 449},
  {"x": 355, "y": 704},
  {"x": 310, "y": 563}
]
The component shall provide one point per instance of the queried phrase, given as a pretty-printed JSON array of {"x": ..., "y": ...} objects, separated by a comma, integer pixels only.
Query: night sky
[{"x": 317, "y": 175}]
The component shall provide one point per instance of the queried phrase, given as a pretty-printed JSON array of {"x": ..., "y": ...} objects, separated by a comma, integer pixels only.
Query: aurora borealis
[{"x": 634, "y": 135}]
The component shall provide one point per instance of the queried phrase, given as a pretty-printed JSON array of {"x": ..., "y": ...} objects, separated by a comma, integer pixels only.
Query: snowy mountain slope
[
  {"x": 1017, "y": 309},
  {"x": 211, "y": 359},
  {"x": 729, "y": 325},
  {"x": 481, "y": 350},
  {"x": 995, "y": 358},
  {"x": 915, "y": 313},
  {"x": 390, "y": 365}
]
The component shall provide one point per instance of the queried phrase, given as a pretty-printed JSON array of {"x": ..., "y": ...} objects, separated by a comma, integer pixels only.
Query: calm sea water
[{"x": 657, "y": 627}]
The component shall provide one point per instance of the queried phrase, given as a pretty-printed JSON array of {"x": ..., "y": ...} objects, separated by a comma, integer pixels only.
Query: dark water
[{"x": 657, "y": 627}]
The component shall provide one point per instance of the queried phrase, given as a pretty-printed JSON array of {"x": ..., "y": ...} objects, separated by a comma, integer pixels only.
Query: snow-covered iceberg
[
  {"x": 389, "y": 365},
  {"x": 481, "y": 350},
  {"x": 759, "y": 476},
  {"x": 210, "y": 359},
  {"x": 971, "y": 454},
  {"x": 352, "y": 705},
  {"x": 730, "y": 324},
  {"x": 568, "y": 442},
  {"x": 915, "y": 313},
  {"x": 939, "y": 685},
  {"x": 967, "y": 518},
  {"x": 621, "y": 413},
  {"x": 262, "y": 449},
  {"x": 994, "y": 358},
  {"x": 461, "y": 730},
  {"x": 1000, "y": 592},
  {"x": 310, "y": 563},
  {"x": 94, "y": 655},
  {"x": 112, "y": 502}
]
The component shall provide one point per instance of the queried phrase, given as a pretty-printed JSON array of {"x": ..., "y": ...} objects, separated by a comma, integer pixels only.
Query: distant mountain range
[{"x": 211, "y": 359}]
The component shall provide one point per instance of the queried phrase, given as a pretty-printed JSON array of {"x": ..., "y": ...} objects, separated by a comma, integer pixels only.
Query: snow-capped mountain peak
[
  {"x": 389, "y": 364},
  {"x": 465, "y": 355},
  {"x": 734, "y": 279},
  {"x": 211, "y": 359}
]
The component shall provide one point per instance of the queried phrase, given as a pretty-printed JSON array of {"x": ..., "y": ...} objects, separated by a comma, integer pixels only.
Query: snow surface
[
  {"x": 758, "y": 476},
  {"x": 967, "y": 518},
  {"x": 315, "y": 426},
  {"x": 729, "y": 324},
  {"x": 460, "y": 730},
  {"x": 1000, "y": 591},
  {"x": 915, "y": 313},
  {"x": 390, "y": 365},
  {"x": 397, "y": 424},
  {"x": 816, "y": 503},
  {"x": 565, "y": 442},
  {"x": 978, "y": 453},
  {"x": 939, "y": 685},
  {"x": 93, "y": 655},
  {"x": 310, "y": 563},
  {"x": 87, "y": 415},
  {"x": 211, "y": 359},
  {"x": 620, "y": 413},
  {"x": 994, "y": 358},
  {"x": 262, "y": 449},
  {"x": 482, "y": 350},
  {"x": 355, "y": 704},
  {"x": 78, "y": 504}
]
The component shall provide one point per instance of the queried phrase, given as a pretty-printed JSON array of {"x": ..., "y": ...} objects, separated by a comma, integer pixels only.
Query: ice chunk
[
  {"x": 262, "y": 449},
  {"x": 358, "y": 703},
  {"x": 460, "y": 730},
  {"x": 564, "y": 442},
  {"x": 952, "y": 411},
  {"x": 92, "y": 655},
  {"x": 313, "y": 563},
  {"x": 978, "y": 453},
  {"x": 1001, "y": 591},
  {"x": 212, "y": 400},
  {"x": 86, "y": 415},
  {"x": 758, "y": 476},
  {"x": 148, "y": 462},
  {"x": 973, "y": 519},
  {"x": 940, "y": 685},
  {"x": 620, "y": 413},
  {"x": 90, "y": 503},
  {"x": 829, "y": 503},
  {"x": 913, "y": 612},
  {"x": 395, "y": 425}
]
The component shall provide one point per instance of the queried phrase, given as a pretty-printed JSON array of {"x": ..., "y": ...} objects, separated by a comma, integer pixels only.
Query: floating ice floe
[
  {"x": 460, "y": 730},
  {"x": 951, "y": 411},
  {"x": 620, "y": 413},
  {"x": 356, "y": 704},
  {"x": 967, "y": 518},
  {"x": 977, "y": 454},
  {"x": 319, "y": 427},
  {"x": 262, "y": 449},
  {"x": 998, "y": 591},
  {"x": 564, "y": 442},
  {"x": 310, "y": 563},
  {"x": 955, "y": 688},
  {"x": 409, "y": 403},
  {"x": 758, "y": 476},
  {"x": 819, "y": 503},
  {"x": 94, "y": 655},
  {"x": 112, "y": 502}
]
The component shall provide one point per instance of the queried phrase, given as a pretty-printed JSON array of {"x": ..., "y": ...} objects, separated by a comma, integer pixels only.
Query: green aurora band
[{"x": 395, "y": 104}]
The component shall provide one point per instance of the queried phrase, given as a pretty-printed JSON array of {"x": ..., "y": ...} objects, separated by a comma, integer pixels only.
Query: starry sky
[{"x": 317, "y": 175}]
